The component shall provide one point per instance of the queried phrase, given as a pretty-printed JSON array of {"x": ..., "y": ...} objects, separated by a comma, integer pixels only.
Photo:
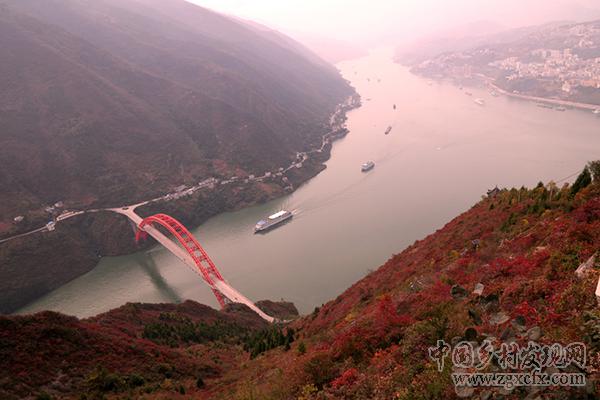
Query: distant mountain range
[
  {"x": 464, "y": 38},
  {"x": 109, "y": 101}
]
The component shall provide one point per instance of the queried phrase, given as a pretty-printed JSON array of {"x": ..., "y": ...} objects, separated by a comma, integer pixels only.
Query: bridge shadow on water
[{"x": 148, "y": 265}]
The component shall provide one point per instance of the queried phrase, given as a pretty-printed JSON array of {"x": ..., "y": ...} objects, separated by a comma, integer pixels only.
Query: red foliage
[
  {"x": 40, "y": 347},
  {"x": 552, "y": 317},
  {"x": 518, "y": 266},
  {"x": 588, "y": 212},
  {"x": 527, "y": 311},
  {"x": 351, "y": 344},
  {"x": 347, "y": 378},
  {"x": 388, "y": 317}
]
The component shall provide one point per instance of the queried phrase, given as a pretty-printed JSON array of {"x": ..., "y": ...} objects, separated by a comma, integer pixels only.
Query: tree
[
  {"x": 594, "y": 167},
  {"x": 320, "y": 369},
  {"x": 199, "y": 383},
  {"x": 301, "y": 348},
  {"x": 583, "y": 180}
]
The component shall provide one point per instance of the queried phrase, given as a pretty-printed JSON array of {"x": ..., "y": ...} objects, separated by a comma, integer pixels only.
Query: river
[{"x": 443, "y": 153}]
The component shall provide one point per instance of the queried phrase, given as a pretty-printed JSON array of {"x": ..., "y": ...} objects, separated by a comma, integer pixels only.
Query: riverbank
[
  {"x": 558, "y": 102},
  {"x": 489, "y": 81},
  {"x": 39, "y": 263}
]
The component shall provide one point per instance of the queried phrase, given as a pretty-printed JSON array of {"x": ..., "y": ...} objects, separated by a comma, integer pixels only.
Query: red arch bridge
[{"x": 184, "y": 246}]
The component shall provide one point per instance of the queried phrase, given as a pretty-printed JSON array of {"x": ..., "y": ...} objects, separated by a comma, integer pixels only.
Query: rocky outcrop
[{"x": 282, "y": 310}]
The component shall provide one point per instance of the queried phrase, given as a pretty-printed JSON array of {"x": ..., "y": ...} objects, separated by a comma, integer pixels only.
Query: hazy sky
[{"x": 365, "y": 20}]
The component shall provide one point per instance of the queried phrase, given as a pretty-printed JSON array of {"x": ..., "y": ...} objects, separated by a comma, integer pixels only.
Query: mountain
[
  {"x": 125, "y": 349},
  {"x": 467, "y": 38},
  {"x": 110, "y": 101},
  {"x": 106, "y": 103},
  {"x": 332, "y": 50},
  {"x": 459, "y": 38},
  {"x": 521, "y": 265}
]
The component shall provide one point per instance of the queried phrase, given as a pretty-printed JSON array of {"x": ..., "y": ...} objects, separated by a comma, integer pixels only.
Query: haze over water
[{"x": 443, "y": 153}]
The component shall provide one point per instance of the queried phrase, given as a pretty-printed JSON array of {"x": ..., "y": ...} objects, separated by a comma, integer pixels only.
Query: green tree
[
  {"x": 583, "y": 180},
  {"x": 301, "y": 348},
  {"x": 594, "y": 167},
  {"x": 199, "y": 383},
  {"x": 320, "y": 369}
]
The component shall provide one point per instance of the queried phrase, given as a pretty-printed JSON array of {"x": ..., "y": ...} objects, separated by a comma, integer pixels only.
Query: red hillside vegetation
[
  {"x": 139, "y": 347},
  {"x": 521, "y": 248},
  {"x": 372, "y": 342}
]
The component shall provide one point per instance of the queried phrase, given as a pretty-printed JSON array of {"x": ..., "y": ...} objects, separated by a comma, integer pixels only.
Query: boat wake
[{"x": 308, "y": 207}]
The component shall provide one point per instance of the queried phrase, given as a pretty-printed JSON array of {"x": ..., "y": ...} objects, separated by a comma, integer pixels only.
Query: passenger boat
[
  {"x": 272, "y": 221},
  {"x": 369, "y": 165}
]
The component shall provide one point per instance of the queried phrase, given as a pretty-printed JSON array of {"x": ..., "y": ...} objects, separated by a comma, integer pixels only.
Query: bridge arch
[{"x": 205, "y": 265}]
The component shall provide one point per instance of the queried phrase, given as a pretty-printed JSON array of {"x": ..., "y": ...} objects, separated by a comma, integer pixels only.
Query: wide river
[{"x": 443, "y": 153}]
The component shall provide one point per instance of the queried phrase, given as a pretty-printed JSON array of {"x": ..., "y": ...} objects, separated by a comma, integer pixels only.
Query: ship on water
[
  {"x": 369, "y": 165},
  {"x": 272, "y": 221},
  {"x": 480, "y": 102},
  {"x": 388, "y": 130}
]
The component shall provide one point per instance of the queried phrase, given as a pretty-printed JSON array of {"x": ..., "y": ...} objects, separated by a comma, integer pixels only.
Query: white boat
[
  {"x": 369, "y": 165},
  {"x": 596, "y": 111},
  {"x": 272, "y": 221},
  {"x": 481, "y": 102}
]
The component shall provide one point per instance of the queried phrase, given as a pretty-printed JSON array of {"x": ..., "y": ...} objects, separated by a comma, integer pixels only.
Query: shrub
[
  {"x": 171, "y": 330},
  {"x": 527, "y": 311},
  {"x": 268, "y": 339},
  {"x": 301, "y": 348},
  {"x": 320, "y": 369},
  {"x": 43, "y": 396},
  {"x": 347, "y": 378},
  {"x": 200, "y": 383},
  {"x": 103, "y": 381}
]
